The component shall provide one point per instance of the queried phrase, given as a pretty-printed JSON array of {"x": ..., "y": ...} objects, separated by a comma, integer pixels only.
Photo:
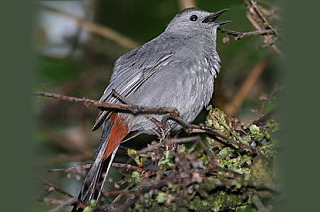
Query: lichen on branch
[{"x": 183, "y": 176}]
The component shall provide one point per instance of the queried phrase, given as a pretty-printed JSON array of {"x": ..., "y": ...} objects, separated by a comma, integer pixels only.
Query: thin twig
[
  {"x": 121, "y": 98},
  {"x": 270, "y": 43},
  {"x": 239, "y": 35},
  {"x": 171, "y": 141},
  {"x": 221, "y": 138},
  {"x": 127, "y": 167},
  {"x": 260, "y": 22},
  {"x": 55, "y": 188},
  {"x": 154, "y": 146},
  {"x": 64, "y": 204},
  {"x": 208, "y": 152},
  {"x": 118, "y": 198},
  {"x": 135, "y": 109},
  {"x": 262, "y": 121},
  {"x": 183, "y": 4},
  {"x": 264, "y": 20},
  {"x": 192, "y": 128},
  {"x": 95, "y": 28},
  {"x": 69, "y": 169},
  {"x": 156, "y": 185},
  {"x": 59, "y": 190},
  {"x": 51, "y": 201},
  {"x": 257, "y": 202},
  {"x": 269, "y": 13}
]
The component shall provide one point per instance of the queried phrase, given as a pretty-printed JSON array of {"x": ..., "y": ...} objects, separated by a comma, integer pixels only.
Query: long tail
[{"x": 115, "y": 129}]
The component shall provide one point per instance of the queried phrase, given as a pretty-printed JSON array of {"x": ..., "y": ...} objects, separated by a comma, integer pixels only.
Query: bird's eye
[{"x": 193, "y": 18}]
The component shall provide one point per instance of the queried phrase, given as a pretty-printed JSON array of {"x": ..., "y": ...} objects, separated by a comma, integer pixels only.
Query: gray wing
[{"x": 132, "y": 69}]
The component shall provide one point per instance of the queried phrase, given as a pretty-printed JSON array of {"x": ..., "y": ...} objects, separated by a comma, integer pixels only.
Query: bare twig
[
  {"x": 269, "y": 13},
  {"x": 155, "y": 185},
  {"x": 262, "y": 121},
  {"x": 221, "y": 138},
  {"x": 208, "y": 152},
  {"x": 182, "y": 140},
  {"x": 118, "y": 198},
  {"x": 192, "y": 128},
  {"x": 121, "y": 98},
  {"x": 257, "y": 19},
  {"x": 239, "y": 35},
  {"x": 116, "y": 192},
  {"x": 186, "y": 3},
  {"x": 53, "y": 187},
  {"x": 270, "y": 43},
  {"x": 62, "y": 204},
  {"x": 51, "y": 201},
  {"x": 97, "y": 29},
  {"x": 70, "y": 169},
  {"x": 88, "y": 165},
  {"x": 264, "y": 20},
  {"x": 257, "y": 202},
  {"x": 127, "y": 167},
  {"x": 104, "y": 105},
  {"x": 154, "y": 146}
]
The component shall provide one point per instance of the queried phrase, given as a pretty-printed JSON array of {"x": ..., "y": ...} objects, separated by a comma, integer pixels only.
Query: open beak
[{"x": 212, "y": 17}]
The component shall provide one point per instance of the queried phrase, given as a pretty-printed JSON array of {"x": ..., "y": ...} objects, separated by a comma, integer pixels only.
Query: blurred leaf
[{"x": 57, "y": 70}]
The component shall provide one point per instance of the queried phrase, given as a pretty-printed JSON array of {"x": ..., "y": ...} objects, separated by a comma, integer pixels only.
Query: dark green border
[
  {"x": 301, "y": 111},
  {"x": 17, "y": 70}
]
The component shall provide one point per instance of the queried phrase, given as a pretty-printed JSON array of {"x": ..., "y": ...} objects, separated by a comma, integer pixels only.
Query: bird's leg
[{"x": 162, "y": 130}]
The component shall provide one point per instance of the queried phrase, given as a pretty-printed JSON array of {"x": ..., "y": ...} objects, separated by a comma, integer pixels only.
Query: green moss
[
  {"x": 254, "y": 129},
  {"x": 199, "y": 204},
  {"x": 270, "y": 150},
  {"x": 161, "y": 197},
  {"x": 246, "y": 208},
  {"x": 222, "y": 201},
  {"x": 217, "y": 119},
  {"x": 182, "y": 149},
  {"x": 91, "y": 206},
  {"x": 272, "y": 125},
  {"x": 209, "y": 183},
  {"x": 131, "y": 152},
  {"x": 135, "y": 176},
  {"x": 226, "y": 201},
  {"x": 167, "y": 161},
  {"x": 204, "y": 158},
  {"x": 220, "y": 184}
]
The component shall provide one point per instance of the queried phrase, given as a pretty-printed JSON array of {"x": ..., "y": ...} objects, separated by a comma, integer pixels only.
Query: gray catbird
[{"x": 176, "y": 69}]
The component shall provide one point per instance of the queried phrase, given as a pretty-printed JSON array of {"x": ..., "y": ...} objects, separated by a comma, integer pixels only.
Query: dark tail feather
[{"x": 98, "y": 172}]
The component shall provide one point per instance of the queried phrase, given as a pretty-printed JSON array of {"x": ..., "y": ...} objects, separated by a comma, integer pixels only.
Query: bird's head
[{"x": 194, "y": 21}]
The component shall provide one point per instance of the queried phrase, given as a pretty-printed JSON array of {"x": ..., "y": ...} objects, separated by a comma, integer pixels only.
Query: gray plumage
[{"x": 175, "y": 69}]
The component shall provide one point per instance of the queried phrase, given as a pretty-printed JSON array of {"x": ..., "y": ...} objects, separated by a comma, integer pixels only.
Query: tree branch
[
  {"x": 61, "y": 203},
  {"x": 183, "y": 4},
  {"x": 239, "y": 35},
  {"x": 260, "y": 22},
  {"x": 53, "y": 187},
  {"x": 135, "y": 109}
]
